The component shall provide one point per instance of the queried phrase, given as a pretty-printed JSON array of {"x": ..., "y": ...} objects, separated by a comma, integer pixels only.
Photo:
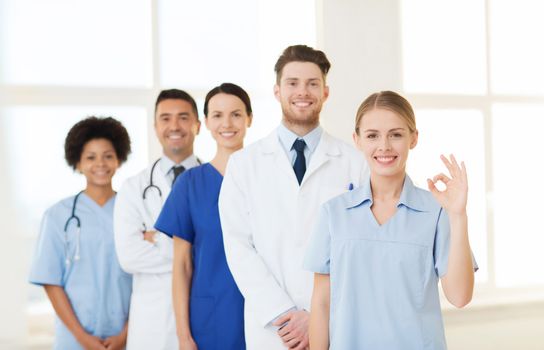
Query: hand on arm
[
  {"x": 320, "y": 316},
  {"x": 150, "y": 236},
  {"x": 182, "y": 272},
  {"x": 64, "y": 310},
  {"x": 458, "y": 283},
  {"x": 117, "y": 342},
  {"x": 294, "y": 329},
  {"x": 132, "y": 244}
]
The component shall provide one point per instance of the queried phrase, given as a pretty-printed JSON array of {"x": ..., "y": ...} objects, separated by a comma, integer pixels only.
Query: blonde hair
[{"x": 387, "y": 100}]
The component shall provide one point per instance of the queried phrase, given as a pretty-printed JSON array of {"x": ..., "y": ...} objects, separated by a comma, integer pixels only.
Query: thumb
[{"x": 432, "y": 187}]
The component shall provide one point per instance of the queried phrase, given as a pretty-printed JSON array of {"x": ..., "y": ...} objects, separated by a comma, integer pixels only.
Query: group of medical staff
[{"x": 297, "y": 241}]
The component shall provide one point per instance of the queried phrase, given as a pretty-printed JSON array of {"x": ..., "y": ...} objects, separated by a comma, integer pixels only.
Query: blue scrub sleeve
[
  {"x": 49, "y": 262},
  {"x": 442, "y": 245},
  {"x": 175, "y": 217},
  {"x": 318, "y": 251}
]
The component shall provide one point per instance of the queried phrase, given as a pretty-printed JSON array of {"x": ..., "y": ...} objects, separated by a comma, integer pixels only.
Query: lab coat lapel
[
  {"x": 325, "y": 150},
  {"x": 272, "y": 148}
]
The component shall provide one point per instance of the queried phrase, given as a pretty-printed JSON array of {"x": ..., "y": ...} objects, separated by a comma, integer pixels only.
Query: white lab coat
[
  {"x": 267, "y": 219},
  {"x": 151, "y": 319}
]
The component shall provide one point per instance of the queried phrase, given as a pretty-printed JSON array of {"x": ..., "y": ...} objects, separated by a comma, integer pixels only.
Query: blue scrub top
[
  {"x": 384, "y": 278},
  {"x": 216, "y": 305},
  {"x": 97, "y": 288}
]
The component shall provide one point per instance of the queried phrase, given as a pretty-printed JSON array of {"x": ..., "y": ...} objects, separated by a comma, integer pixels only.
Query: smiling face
[
  {"x": 385, "y": 139},
  {"x": 176, "y": 126},
  {"x": 98, "y": 162},
  {"x": 301, "y": 92},
  {"x": 227, "y": 121}
]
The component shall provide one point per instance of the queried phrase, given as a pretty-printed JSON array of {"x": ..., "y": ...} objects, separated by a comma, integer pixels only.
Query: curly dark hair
[{"x": 92, "y": 128}]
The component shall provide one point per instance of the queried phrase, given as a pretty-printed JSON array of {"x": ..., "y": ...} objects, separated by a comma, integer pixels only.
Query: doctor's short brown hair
[{"x": 302, "y": 53}]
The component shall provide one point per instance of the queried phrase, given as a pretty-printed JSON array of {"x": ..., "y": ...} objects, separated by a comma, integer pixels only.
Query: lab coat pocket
[{"x": 202, "y": 314}]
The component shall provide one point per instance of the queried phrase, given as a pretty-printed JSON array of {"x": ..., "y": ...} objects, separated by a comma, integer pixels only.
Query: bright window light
[
  {"x": 519, "y": 236},
  {"x": 516, "y": 56},
  {"x": 237, "y": 42},
  {"x": 457, "y": 132},
  {"x": 443, "y": 45},
  {"x": 76, "y": 43}
]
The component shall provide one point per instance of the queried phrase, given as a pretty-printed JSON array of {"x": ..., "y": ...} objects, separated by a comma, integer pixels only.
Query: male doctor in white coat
[
  {"x": 270, "y": 198},
  {"x": 145, "y": 253}
]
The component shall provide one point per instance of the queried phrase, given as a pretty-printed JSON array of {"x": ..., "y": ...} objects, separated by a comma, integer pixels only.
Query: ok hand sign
[{"x": 454, "y": 198}]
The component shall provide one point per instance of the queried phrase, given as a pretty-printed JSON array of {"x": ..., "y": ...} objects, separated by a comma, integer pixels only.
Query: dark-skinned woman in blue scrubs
[{"x": 208, "y": 305}]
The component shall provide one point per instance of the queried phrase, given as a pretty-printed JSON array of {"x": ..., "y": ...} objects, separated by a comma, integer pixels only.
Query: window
[{"x": 473, "y": 72}]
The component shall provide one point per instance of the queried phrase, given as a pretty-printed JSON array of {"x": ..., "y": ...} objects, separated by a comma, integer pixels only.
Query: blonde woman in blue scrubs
[{"x": 379, "y": 251}]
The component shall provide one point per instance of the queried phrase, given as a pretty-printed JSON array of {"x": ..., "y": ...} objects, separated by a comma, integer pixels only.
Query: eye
[
  {"x": 237, "y": 114},
  {"x": 371, "y": 136},
  {"x": 216, "y": 115},
  {"x": 396, "y": 135},
  {"x": 314, "y": 84}
]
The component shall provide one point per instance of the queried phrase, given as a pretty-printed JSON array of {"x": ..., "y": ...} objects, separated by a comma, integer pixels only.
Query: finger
[
  {"x": 302, "y": 345},
  {"x": 282, "y": 319},
  {"x": 464, "y": 172},
  {"x": 441, "y": 177},
  {"x": 288, "y": 340},
  {"x": 446, "y": 162},
  {"x": 284, "y": 331},
  {"x": 431, "y": 186},
  {"x": 293, "y": 343},
  {"x": 455, "y": 165}
]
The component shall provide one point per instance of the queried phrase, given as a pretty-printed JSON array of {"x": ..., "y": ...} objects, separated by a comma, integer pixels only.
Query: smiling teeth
[
  {"x": 302, "y": 104},
  {"x": 385, "y": 159},
  {"x": 175, "y": 137},
  {"x": 227, "y": 134}
]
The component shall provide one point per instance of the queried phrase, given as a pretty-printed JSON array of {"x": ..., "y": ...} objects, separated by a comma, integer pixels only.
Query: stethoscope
[
  {"x": 152, "y": 186},
  {"x": 74, "y": 217}
]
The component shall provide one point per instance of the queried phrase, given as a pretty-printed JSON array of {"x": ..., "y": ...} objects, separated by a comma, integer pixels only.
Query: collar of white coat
[{"x": 271, "y": 144}]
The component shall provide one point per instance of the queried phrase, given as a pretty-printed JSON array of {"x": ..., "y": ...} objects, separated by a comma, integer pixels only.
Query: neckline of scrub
[
  {"x": 214, "y": 169},
  {"x": 108, "y": 203}
]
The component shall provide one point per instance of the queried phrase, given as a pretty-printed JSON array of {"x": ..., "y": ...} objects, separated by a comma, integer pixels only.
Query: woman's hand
[
  {"x": 187, "y": 344},
  {"x": 90, "y": 342},
  {"x": 116, "y": 342},
  {"x": 454, "y": 198}
]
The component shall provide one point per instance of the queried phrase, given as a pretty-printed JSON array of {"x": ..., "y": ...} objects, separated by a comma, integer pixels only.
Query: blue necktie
[{"x": 300, "y": 161}]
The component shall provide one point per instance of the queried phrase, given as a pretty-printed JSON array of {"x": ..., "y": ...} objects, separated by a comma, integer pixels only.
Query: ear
[
  {"x": 249, "y": 120},
  {"x": 356, "y": 139},
  {"x": 277, "y": 92},
  {"x": 415, "y": 136},
  {"x": 326, "y": 92},
  {"x": 198, "y": 127},
  {"x": 78, "y": 168}
]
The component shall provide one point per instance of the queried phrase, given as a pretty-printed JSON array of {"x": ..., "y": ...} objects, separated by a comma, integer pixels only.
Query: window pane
[
  {"x": 516, "y": 56},
  {"x": 519, "y": 234},
  {"x": 35, "y": 151},
  {"x": 239, "y": 41},
  {"x": 440, "y": 132},
  {"x": 81, "y": 43},
  {"x": 444, "y": 46}
]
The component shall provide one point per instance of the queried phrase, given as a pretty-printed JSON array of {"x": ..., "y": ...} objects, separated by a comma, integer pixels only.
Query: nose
[
  {"x": 302, "y": 89},
  {"x": 175, "y": 124},
  {"x": 385, "y": 143},
  {"x": 227, "y": 122}
]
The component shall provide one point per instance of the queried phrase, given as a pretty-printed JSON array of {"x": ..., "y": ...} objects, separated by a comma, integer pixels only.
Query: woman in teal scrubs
[
  {"x": 208, "y": 306},
  {"x": 75, "y": 259},
  {"x": 379, "y": 251}
]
